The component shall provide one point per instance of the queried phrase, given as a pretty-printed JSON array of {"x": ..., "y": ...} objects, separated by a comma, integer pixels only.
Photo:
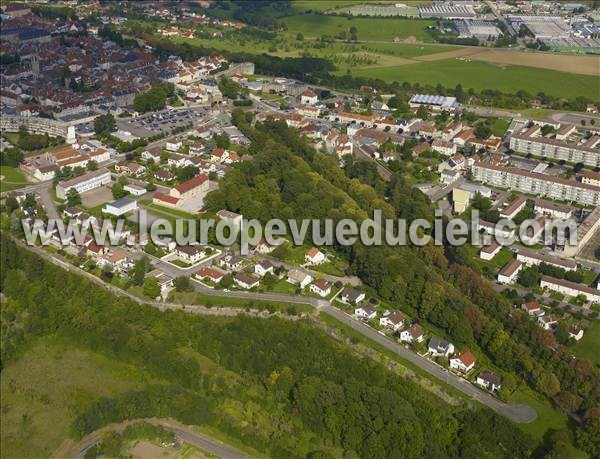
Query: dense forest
[
  {"x": 302, "y": 394},
  {"x": 288, "y": 178}
]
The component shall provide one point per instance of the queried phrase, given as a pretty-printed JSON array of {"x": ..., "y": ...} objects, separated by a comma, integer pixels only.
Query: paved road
[
  {"x": 183, "y": 434},
  {"x": 516, "y": 413},
  {"x": 384, "y": 172},
  {"x": 350, "y": 280},
  {"x": 447, "y": 189}
]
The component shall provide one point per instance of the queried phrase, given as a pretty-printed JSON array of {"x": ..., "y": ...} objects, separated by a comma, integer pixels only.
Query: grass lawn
[
  {"x": 43, "y": 390},
  {"x": 172, "y": 212},
  {"x": 13, "y": 178},
  {"x": 500, "y": 126},
  {"x": 482, "y": 75},
  {"x": 284, "y": 287},
  {"x": 315, "y": 25},
  {"x": 548, "y": 417},
  {"x": 590, "y": 344}
]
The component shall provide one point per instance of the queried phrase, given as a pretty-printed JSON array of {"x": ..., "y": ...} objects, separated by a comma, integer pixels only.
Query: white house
[
  {"x": 439, "y": 347},
  {"x": 246, "y": 281},
  {"x": 134, "y": 189},
  {"x": 300, "y": 278},
  {"x": 570, "y": 288},
  {"x": 575, "y": 332},
  {"x": 547, "y": 322},
  {"x": 351, "y": 296},
  {"x": 392, "y": 319},
  {"x": 321, "y": 287},
  {"x": 231, "y": 217},
  {"x": 365, "y": 312},
  {"x": 412, "y": 333},
  {"x": 190, "y": 253},
  {"x": 173, "y": 146},
  {"x": 263, "y": 267},
  {"x": 120, "y": 207},
  {"x": 489, "y": 380},
  {"x": 443, "y": 147},
  {"x": 314, "y": 256},
  {"x": 232, "y": 262},
  {"x": 510, "y": 271},
  {"x": 533, "y": 308},
  {"x": 208, "y": 272},
  {"x": 489, "y": 251},
  {"x": 309, "y": 97},
  {"x": 463, "y": 362}
]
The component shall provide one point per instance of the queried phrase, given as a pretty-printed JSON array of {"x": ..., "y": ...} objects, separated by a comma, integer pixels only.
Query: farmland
[{"x": 483, "y": 75}]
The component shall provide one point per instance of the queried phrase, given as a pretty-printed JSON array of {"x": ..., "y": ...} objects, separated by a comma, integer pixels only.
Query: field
[
  {"x": 12, "y": 178},
  {"x": 41, "y": 391},
  {"x": 368, "y": 29},
  {"x": 589, "y": 344},
  {"x": 482, "y": 75}
]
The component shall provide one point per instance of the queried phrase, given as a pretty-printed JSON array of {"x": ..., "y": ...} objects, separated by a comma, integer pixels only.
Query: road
[
  {"x": 183, "y": 433},
  {"x": 384, "y": 172},
  {"x": 447, "y": 189},
  {"x": 515, "y": 412},
  {"x": 500, "y": 18}
]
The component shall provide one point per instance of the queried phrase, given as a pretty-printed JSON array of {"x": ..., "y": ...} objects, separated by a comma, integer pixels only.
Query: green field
[
  {"x": 589, "y": 345},
  {"x": 13, "y": 178},
  {"x": 482, "y": 75},
  {"x": 42, "y": 391},
  {"x": 315, "y": 25}
]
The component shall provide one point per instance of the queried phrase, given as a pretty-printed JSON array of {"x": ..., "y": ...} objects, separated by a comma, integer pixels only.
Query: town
[{"x": 98, "y": 122}]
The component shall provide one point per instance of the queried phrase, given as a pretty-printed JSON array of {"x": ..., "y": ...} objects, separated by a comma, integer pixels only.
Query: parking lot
[{"x": 161, "y": 122}]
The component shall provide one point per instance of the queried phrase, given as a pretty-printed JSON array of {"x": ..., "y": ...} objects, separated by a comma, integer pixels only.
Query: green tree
[
  {"x": 105, "y": 124},
  {"x": 151, "y": 287},
  {"x": 483, "y": 131},
  {"x": 73, "y": 197},
  {"x": 183, "y": 284},
  {"x": 92, "y": 165}
]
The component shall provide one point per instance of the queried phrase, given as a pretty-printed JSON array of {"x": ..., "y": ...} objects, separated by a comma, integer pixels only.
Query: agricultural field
[
  {"x": 42, "y": 391},
  {"x": 368, "y": 29},
  {"x": 482, "y": 75}
]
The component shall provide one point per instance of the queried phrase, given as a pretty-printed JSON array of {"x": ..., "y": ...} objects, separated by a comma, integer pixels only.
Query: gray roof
[
  {"x": 123, "y": 202},
  {"x": 438, "y": 344}
]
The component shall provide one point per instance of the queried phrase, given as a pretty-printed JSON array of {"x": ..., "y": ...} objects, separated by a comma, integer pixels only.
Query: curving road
[{"x": 183, "y": 433}]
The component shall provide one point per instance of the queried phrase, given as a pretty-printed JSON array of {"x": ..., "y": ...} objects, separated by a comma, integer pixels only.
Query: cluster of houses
[
  {"x": 399, "y": 324},
  {"x": 548, "y": 321}
]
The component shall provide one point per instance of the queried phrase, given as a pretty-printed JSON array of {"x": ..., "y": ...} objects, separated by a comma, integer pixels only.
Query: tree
[
  {"x": 183, "y": 284},
  {"x": 11, "y": 204},
  {"x": 92, "y": 165},
  {"x": 118, "y": 189},
  {"x": 11, "y": 157},
  {"x": 548, "y": 383},
  {"x": 139, "y": 270},
  {"x": 483, "y": 131},
  {"x": 299, "y": 37},
  {"x": 562, "y": 333},
  {"x": 568, "y": 401},
  {"x": 105, "y": 124},
  {"x": 422, "y": 112},
  {"x": 509, "y": 385},
  {"x": 151, "y": 287},
  {"x": 73, "y": 197}
]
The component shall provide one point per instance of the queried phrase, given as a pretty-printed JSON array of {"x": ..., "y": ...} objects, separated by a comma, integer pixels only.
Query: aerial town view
[{"x": 321, "y": 229}]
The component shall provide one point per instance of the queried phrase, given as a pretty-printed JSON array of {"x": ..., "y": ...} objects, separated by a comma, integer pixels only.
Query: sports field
[
  {"x": 483, "y": 75},
  {"x": 369, "y": 29}
]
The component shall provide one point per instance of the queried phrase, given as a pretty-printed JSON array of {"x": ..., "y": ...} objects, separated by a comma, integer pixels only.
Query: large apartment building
[
  {"x": 537, "y": 184},
  {"x": 529, "y": 141}
]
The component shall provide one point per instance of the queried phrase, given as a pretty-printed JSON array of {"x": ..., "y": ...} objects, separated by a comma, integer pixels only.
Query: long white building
[
  {"x": 84, "y": 182},
  {"x": 529, "y": 141},
  {"x": 537, "y": 184},
  {"x": 37, "y": 125}
]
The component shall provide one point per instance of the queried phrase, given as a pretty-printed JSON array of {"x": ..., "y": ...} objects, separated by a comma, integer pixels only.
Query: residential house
[
  {"x": 231, "y": 217},
  {"x": 463, "y": 362},
  {"x": 246, "y": 281},
  {"x": 393, "y": 320},
  {"x": 489, "y": 380},
  {"x": 533, "y": 309},
  {"x": 575, "y": 332},
  {"x": 210, "y": 273},
  {"x": 300, "y": 278},
  {"x": 190, "y": 253},
  {"x": 414, "y": 333},
  {"x": 443, "y": 147},
  {"x": 321, "y": 287},
  {"x": 351, "y": 296},
  {"x": 263, "y": 267},
  {"x": 510, "y": 271},
  {"x": 309, "y": 97},
  {"x": 489, "y": 251},
  {"x": 547, "y": 322},
  {"x": 366, "y": 312},
  {"x": 314, "y": 256},
  {"x": 232, "y": 262},
  {"x": 439, "y": 347}
]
